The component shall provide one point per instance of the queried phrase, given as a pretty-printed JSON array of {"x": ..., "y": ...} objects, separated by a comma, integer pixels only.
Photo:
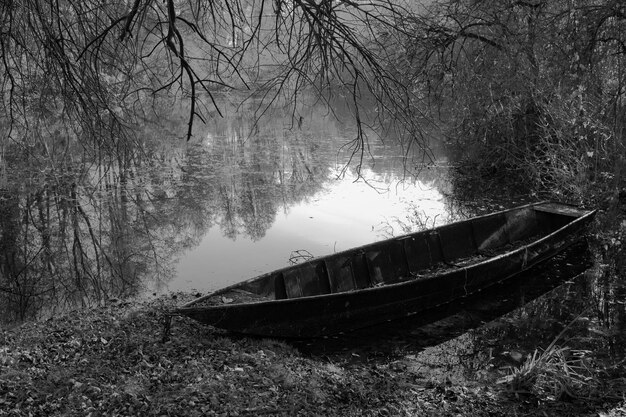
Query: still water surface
[
  {"x": 346, "y": 212},
  {"x": 289, "y": 191},
  {"x": 245, "y": 196}
]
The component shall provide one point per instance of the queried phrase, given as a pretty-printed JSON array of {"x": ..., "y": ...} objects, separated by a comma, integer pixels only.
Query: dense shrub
[{"x": 529, "y": 93}]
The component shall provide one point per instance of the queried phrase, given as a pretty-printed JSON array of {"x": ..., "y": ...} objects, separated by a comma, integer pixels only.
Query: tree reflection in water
[{"x": 80, "y": 226}]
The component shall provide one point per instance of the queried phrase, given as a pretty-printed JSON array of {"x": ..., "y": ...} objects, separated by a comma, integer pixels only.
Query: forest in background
[{"x": 531, "y": 92}]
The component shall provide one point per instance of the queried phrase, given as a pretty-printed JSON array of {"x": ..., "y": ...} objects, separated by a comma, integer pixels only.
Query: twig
[
  {"x": 167, "y": 326},
  {"x": 260, "y": 410}
]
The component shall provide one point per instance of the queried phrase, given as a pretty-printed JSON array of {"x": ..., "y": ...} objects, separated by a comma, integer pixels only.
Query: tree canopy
[
  {"x": 102, "y": 65},
  {"x": 521, "y": 81}
]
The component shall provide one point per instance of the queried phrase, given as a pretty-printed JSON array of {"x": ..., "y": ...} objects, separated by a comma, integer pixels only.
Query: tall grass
[
  {"x": 555, "y": 373},
  {"x": 561, "y": 373}
]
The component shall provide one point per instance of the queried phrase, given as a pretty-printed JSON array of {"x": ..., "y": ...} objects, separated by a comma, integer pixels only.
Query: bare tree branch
[{"x": 100, "y": 58}]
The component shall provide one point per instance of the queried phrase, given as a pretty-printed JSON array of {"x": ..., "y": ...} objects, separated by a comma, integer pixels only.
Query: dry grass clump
[
  {"x": 556, "y": 373},
  {"x": 562, "y": 373}
]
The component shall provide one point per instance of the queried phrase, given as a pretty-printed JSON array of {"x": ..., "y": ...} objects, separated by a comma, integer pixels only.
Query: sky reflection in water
[
  {"x": 347, "y": 212},
  {"x": 290, "y": 189}
]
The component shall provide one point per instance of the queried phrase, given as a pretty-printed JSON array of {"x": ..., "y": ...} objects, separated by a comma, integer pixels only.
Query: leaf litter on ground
[{"x": 112, "y": 360}]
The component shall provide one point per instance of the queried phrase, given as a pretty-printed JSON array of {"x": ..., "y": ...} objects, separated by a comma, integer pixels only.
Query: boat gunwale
[{"x": 192, "y": 305}]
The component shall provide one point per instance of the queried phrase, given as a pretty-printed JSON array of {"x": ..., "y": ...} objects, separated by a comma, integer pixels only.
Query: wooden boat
[{"x": 394, "y": 278}]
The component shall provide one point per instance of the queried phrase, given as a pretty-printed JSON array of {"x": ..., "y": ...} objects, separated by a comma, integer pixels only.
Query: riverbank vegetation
[{"x": 529, "y": 93}]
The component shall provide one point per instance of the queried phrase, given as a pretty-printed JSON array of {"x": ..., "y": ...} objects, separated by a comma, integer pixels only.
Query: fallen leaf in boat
[{"x": 227, "y": 300}]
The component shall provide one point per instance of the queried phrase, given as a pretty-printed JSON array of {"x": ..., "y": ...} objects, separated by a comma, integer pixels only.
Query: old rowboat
[{"x": 394, "y": 278}]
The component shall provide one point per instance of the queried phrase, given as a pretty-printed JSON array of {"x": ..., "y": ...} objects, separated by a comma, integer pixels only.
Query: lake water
[
  {"x": 245, "y": 196},
  {"x": 291, "y": 192},
  {"x": 345, "y": 212}
]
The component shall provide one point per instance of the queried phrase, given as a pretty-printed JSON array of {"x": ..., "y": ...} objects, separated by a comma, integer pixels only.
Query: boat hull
[{"x": 324, "y": 314}]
